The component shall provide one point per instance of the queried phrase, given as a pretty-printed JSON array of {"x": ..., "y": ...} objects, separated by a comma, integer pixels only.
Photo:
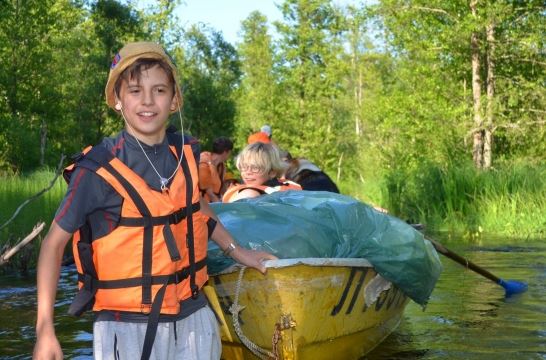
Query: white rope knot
[{"x": 236, "y": 309}]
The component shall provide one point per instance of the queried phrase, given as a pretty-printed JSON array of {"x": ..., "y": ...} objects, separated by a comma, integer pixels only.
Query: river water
[{"x": 468, "y": 316}]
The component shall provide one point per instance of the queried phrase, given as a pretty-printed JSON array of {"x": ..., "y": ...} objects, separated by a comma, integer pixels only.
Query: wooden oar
[{"x": 510, "y": 286}]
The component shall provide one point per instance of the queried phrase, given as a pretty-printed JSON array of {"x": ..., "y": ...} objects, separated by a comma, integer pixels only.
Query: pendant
[{"x": 163, "y": 182}]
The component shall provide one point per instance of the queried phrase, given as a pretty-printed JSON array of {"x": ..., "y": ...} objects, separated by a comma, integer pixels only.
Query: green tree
[
  {"x": 257, "y": 97},
  {"x": 310, "y": 74},
  {"x": 363, "y": 83},
  {"x": 113, "y": 24},
  {"x": 477, "y": 46},
  {"x": 210, "y": 72},
  {"x": 29, "y": 96},
  {"x": 161, "y": 24}
]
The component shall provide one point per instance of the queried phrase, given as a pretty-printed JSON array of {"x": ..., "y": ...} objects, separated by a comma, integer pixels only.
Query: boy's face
[{"x": 147, "y": 104}]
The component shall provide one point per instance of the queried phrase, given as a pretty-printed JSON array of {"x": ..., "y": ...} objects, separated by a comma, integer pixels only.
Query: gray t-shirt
[{"x": 91, "y": 199}]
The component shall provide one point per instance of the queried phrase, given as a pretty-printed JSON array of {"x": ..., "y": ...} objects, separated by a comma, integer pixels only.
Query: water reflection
[{"x": 468, "y": 317}]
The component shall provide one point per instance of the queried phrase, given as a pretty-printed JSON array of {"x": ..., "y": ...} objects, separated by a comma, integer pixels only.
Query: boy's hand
[
  {"x": 252, "y": 258},
  {"x": 47, "y": 347}
]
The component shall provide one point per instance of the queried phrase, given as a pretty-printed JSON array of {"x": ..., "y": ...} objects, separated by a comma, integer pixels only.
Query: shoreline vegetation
[
  {"x": 436, "y": 116},
  {"x": 508, "y": 201}
]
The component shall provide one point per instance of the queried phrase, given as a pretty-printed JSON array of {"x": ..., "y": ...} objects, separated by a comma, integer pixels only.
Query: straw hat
[{"x": 127, "y": 56}]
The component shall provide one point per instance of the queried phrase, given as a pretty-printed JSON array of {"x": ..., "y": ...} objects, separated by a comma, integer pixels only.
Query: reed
[
  {"x": 508, "y": 200},
  {"x": 14, "y": 190}
]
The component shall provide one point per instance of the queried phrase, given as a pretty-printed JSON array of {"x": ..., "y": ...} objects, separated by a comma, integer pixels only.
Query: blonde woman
[{"x": 261, "y": 170}]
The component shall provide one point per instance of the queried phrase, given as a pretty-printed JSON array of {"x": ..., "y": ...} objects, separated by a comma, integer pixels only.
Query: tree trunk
[
  {"x": 358, "y": 103},
  {"x": 478, "y": 137},
  {"x": 357, "y": 88},
  {"x": 489, "y": 112},
  {"x": 43, "y": 140},
  {"x": 339, "y": 162}
]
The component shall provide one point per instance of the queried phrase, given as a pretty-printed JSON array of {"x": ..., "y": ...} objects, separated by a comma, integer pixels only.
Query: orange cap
[{"x": 258, "y": 137}]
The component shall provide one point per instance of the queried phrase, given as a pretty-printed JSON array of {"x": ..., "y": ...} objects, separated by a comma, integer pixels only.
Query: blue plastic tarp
[{"x": 316, "y": 224}]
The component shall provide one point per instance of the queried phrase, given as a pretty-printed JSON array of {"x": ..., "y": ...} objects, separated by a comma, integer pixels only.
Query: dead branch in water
[
  {"x": 58, "y": 172},
  {"x": 10, "y": 252}
]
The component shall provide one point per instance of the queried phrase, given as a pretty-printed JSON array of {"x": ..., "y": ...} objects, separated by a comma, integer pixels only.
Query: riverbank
[
  {"x": 507, "y": 201},
  {"x": 14, "y": 190}
]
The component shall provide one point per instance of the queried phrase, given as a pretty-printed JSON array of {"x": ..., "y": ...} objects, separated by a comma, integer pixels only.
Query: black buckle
[
  {"x": 177, "y": 216},
  {"x": 194, "y": 291}
]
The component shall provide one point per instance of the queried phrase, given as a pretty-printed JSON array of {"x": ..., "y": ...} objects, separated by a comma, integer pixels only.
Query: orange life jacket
[
  {"x": 216, "y": 175},
  {"x": 284, "y": 185},
  {"x": 156, "y": 256}
]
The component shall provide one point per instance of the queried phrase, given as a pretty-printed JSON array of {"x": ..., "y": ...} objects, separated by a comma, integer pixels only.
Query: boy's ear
[{"x": 174, "y": 103}]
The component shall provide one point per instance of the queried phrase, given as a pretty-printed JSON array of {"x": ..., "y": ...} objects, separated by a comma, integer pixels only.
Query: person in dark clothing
[{"x": 307, "y": 174}]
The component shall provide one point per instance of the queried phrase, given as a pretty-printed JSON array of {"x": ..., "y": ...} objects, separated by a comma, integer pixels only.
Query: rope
[{"x": 235, "y": 308}]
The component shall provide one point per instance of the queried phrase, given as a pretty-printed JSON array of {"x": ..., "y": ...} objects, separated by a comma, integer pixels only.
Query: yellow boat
[{"x": 311, "y": 308}]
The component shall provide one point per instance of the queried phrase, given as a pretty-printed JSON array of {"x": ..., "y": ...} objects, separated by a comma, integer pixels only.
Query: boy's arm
[
  {"x": 220, "y": 236},
  {"x": 49, "y": 265}
]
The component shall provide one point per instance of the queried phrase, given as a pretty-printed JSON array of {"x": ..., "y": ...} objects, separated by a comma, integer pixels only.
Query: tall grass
[
  {"x": 14, "y": 190},
  {"x": 509, "y": 200}
]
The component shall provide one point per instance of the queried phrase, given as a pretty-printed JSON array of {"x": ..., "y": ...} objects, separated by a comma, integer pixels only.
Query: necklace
[{"x": 163, "y": 182}]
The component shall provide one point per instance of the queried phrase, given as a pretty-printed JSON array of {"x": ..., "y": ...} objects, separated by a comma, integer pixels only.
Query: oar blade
[{"x": 513, "y": 287}]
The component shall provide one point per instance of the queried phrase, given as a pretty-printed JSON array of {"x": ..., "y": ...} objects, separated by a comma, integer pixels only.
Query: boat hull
[{"x": 306, "y": 309}]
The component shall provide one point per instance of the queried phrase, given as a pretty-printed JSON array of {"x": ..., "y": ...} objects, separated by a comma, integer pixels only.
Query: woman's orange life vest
[
  {"x": 284, "y": 185},
  {"x": 157, "y": 253}
]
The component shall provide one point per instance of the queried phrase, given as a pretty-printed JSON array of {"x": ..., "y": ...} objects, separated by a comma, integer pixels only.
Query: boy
[{"x": 140, "y": 228}]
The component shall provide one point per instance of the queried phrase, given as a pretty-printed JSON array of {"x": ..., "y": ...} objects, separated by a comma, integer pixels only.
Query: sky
[{"x": 226, "y": 15}]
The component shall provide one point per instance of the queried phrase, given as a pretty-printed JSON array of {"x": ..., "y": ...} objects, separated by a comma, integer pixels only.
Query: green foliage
[
  {"x": 258, "y": 94},
  {"x": 390, "y": 118},
  {"x": 508, "y": 200},
  {"x": 310, "y": 78},
  {"x": 431, "y": 39},
  {"x": 14, "y": 190},
  {"x": 211, "y": 72}
]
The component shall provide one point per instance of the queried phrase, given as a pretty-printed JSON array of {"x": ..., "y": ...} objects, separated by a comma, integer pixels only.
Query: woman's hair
[{"x": 263, "y": 157}]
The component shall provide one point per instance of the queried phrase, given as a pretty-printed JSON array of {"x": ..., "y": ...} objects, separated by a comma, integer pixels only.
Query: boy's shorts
[{"x": 195, "y": 337}]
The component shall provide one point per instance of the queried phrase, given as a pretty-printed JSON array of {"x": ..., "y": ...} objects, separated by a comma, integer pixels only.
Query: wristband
[{"x": 229, "y": 249}]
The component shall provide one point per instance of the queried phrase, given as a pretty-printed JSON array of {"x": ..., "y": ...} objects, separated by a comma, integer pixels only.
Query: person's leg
[
  {"x": 197, "y": 337},
  {"x": 123, "y": 340}
]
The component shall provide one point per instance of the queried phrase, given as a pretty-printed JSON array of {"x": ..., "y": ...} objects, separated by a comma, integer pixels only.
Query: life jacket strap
[
  {"x": 153, "y": 321},
  {"x": 173, "y": 218},
  {"x": 93, "y": 284}
]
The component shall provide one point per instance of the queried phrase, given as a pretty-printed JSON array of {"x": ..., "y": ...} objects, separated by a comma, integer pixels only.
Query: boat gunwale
[{"x": 282, "y": 263}]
